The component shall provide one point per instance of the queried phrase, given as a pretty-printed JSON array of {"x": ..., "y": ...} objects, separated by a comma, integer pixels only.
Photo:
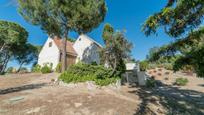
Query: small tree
[
  {"x": 117, "y": 49},
  {"x": 58, "y": 17}
]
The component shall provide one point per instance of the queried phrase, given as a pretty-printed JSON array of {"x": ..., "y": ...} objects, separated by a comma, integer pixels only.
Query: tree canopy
[
  {"x": 58, "y": 17},
  {"x": 181, "y": 19},
  {"x": 13, "y": 37},
  {"x": 177, "y": 17},
  {"x": 26, "y": 54}
]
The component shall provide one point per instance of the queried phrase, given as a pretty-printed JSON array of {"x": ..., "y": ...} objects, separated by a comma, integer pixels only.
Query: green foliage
[
  {"x": 36, "y": 68},
  {"x": 26, "y": 54},
  {"x": 106, "y": 81},
  {"x": 12, "y": 37},
  {"x": 94, "y": 63},
  {"x": 85, "y": 72},
  {"x": 152, "y": 66},
  {"x": 181, "y": 81},
  {"x": 168, "y": 66},
  {"x": 180, "y": 17},
  {"x": 58, "y": 68},
  {"x": 23, "y": 70},
  {"x": 117, "y": 49},
  {"x": 144, "y": 65},
  {"x": 151, "y": 53},
  {"x": 71, "y": 39},
  {"x": 150, "y": 83},
  {"x": 46, "y": 69},
  {"x": 10, "y": 70}
]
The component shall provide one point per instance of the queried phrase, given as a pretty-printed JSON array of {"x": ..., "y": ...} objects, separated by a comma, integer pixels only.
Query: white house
[{"x": 84, "y": 49}]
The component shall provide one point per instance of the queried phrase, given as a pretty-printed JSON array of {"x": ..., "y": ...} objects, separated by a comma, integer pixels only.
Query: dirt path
[{"x": 34, "y": 94}]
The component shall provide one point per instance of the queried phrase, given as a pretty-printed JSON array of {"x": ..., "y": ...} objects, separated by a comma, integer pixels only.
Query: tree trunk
[
  {"x": 4, "y": 65},
  {"x": 114, "y": 68},
  {"x": 64, "y": 51},
  {"x": 20, "y": 67},
  {"x": 2, "y": 48}
]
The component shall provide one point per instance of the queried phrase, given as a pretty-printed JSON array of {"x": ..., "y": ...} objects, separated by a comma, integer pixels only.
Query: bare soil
[{"x": 36, "y": 94}]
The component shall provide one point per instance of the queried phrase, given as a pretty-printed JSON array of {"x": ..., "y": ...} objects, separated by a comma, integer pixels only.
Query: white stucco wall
[
  {"x": 86, "y": 49},
  {"x": 49, "y": 54}
]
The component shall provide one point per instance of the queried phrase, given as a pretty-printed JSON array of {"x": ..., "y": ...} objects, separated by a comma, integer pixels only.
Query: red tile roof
[{"x": 69, "y": 49}]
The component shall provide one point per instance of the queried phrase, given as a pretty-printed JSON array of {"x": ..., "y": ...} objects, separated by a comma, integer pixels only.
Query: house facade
[{"x": 84, "y": 49}]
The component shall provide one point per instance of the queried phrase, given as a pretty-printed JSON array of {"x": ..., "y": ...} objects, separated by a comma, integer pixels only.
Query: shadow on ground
[
  {"x": 202, "y": 85},
  {"x": 21, "y": 88},
  {"x": 176, "y": 101}
]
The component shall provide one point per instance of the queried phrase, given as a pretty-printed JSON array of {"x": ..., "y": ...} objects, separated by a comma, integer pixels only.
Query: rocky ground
[{"x": 37, "y": 94}]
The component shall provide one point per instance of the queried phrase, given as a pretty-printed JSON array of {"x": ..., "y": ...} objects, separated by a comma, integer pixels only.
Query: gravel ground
[{"x": 36, "y": 94}]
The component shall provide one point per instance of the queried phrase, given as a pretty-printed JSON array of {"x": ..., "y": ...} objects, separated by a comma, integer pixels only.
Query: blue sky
[{"x": 126, "y": 15}]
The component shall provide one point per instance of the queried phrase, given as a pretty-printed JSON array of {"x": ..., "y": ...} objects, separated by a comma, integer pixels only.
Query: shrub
[
  {"x": 151, "y": 82},
  {"x": 168, "y": 66},
  {"x": 23, "y": 70},
  {"x": 160, "y": 66},
  {"x": 58, "y": 68},
  {"x": 181, "y": 81},
  {"x": 46, "y": 69},
  {"x": 187, "y": 69},
  {"x": 143, "y": 65},
  {"x": 36, "y": 68},
  {"x": 152, "y": 66},
  {"x": 84, "y": 72},
  {"x": 11, "y": 70},
  {"x": 94, "y": 63}
]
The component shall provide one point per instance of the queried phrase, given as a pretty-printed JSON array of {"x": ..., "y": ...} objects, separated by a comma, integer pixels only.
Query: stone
[
  {"x": 34, "y": 110},
  {"x": 77, "y": 105},
  {"x": 50, "y": 101},
  {"x": 91, "y": 85},
  {"x": 71, "y": 85},
  {"x": 89, "y": 97}
]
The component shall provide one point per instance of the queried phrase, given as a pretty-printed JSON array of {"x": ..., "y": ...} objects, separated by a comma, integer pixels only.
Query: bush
[
  {"x": 187, "y": 69},
  {"x": 144, "y": 65},
  {"x": 11, "y": 70},
  {"x": 36, "y": 68},
  {"x": 46, "y": 69},
  {"x": 94, "y": 63},
  {"x": 85, "y": 72},
  {"x": 151, "y": 82},
  {"x": 152, "y": 66},
  {"x": 23, "y": 70},
  {"x": 181, "y": 81},
  {"x": 168, "y": 66},
  {"x": 58, "y": 68}
]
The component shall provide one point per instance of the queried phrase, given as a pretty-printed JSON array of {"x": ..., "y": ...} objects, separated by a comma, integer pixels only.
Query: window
[
  {"x": 79, "y": 39},
  {"x": 50, "y": 44}
]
